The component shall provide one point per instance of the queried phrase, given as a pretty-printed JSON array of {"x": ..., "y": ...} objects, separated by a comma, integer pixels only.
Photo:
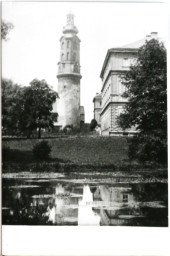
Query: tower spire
[
  {"x": 70, "y": 18},
  {"x": 70, "y": 28}
]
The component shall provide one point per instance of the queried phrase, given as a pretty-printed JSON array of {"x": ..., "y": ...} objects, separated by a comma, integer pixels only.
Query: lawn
[
  {"x": 78, "y": 150},
  {"x": 86, "y": 153}
]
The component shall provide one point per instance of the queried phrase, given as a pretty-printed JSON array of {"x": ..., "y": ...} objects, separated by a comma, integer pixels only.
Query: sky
[{"x": 33, "y": 48}]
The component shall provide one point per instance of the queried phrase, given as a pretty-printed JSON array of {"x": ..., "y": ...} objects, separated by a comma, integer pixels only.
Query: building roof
[
  {"x": 139, "y": 43},
  {"x": 132, "y": 47},
  {"x": 135, "y": 44}
]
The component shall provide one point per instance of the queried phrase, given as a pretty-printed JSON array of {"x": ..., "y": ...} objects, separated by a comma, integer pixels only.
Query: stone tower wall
[
  {"x": 69, "y": 102},
  {"x": 69, "y": 76}
]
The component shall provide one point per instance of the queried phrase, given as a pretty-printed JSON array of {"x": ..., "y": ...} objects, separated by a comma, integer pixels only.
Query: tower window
[
  {"x": 62, "y": 56},
  {"x": 62, "y": 45},
  {"x": 67, "y": 55},
  {"x": 68, "y": 44}
]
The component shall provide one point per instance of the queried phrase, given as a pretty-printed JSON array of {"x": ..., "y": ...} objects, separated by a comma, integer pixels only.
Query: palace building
[
  {"x": 117, "y": 62},
  {"x": 68, "y": 105}
]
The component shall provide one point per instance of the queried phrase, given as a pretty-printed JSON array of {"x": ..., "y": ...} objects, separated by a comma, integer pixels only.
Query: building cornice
[
  {"x": 68, "y": 37},
  {"x": 69, "y": 75},
  {"x": 97, "y": 108},
  {"x": 111, "y": 103}
]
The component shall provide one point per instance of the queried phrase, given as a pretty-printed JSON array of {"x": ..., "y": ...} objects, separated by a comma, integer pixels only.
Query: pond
[{"x": 82, "y": 199}]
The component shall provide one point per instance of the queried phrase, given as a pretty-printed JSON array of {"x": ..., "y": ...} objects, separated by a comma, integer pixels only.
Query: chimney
[
  {"x": 148, "y": 37},
  {"x": 154, "y": 35}
]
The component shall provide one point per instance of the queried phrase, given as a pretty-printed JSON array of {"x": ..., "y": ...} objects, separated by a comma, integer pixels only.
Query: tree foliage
[
  {"x": 38, "y": 104},
  {"x": 12, "y": 104},
  {"x": 41, "y": 151},
  {"x": 28, "y": 108},
  {"x": 5, "y": 28},
  {"x": 93, "y": 124},
  {"x": 146, "y": 88}
]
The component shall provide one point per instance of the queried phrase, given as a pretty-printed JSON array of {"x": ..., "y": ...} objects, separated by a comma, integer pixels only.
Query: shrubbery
[
  {"x": 6, "y": 153},
  {"x": 145, "y": 147},
  {"x": 41, "y": 151},
  {"x": 93, "y": 124}
]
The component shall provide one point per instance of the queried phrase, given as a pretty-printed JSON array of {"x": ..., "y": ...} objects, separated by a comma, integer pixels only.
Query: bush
[
  {"x": 6, "y": 153},
  {"x": 148, "y": 148},
  {"x": 93, "y": 124},
  {"x": 42, "y": 150}
]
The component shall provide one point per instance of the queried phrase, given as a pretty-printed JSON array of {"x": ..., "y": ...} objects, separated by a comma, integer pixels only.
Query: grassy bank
[
  {"x": 78, "y": 150},
  {"x": 89, "y": 153}
]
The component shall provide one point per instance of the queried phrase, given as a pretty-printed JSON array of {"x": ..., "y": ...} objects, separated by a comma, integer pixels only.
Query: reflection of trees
[
  {"x": 150, "y": 192},
  {"x": 26, "y": 216},
  {"x": 23, "y": 210},
  {"x": 134, "y": 204}
]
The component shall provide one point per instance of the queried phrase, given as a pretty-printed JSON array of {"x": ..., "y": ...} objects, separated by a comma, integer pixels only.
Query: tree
[
  {"x": 12, "y": 100},
  {"x": 37, "y": 107},
  {"x": 5, "y": 28},
  {"x": 146, "y": 88},
  {"x": 93, "y": 124}
]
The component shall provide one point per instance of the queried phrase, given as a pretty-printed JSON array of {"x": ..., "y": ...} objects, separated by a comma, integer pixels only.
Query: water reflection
[
  {"x": 86, "y": 216},
  {"x": 62, "y": 203}
]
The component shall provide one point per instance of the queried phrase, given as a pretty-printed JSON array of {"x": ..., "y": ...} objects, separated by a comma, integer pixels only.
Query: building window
[
  {"x": 62, "y": 45},
  {"x": 68, "y": 44},
  {"x": 74, "y": 45},
  {"x": 126, "y": 62},
  {"x": 62, "y": 56},
  {"x": 125, "y": 198},
  {"x": 67, "y": 55},
  {"x": 74, "y": 56}
]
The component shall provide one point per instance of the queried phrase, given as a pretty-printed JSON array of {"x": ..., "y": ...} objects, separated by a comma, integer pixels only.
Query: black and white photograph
[{"x": 84, "y": 114}]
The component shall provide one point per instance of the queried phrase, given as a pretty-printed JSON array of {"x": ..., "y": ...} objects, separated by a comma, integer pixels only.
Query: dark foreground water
[{"x": 80, "y": 199}]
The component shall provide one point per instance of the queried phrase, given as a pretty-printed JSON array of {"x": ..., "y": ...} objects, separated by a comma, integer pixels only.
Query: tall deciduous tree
[
  {"x": 146, "y": 84},
  {"x": 38, "y": 105},
  {"x": 25, "y": 109},
  {"x": 12, "y": 104}
]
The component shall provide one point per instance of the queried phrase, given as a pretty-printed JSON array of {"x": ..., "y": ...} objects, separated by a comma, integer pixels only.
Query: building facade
[
  {"x": 116, "y": 63},
  {"x": 68, "y": 104},
  {"x": 97, "y": 100}
]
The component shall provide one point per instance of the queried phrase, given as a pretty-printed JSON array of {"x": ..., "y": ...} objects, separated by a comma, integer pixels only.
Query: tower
[{"x": 69, "y": 76}]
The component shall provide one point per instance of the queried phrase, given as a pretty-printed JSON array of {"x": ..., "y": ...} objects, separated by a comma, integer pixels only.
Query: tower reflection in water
[
  {"x": 55, "y": 203},
  {"x": 86, "y": 216},
  {"x": 73, "y": 208}
]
